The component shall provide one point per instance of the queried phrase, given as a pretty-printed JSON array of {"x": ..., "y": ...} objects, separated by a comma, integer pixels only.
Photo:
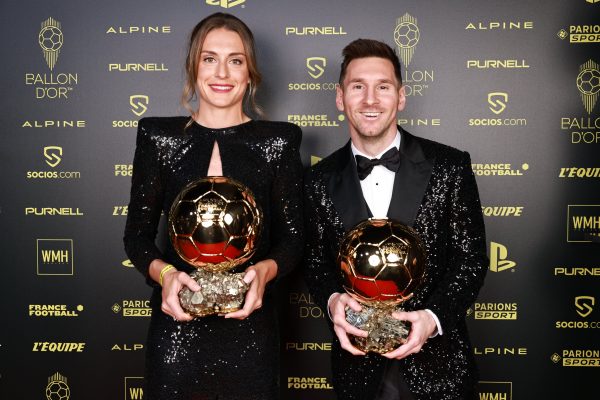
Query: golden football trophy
[
  {"x": 382, "y": 263},
  {"x": 214, "y": 224}
]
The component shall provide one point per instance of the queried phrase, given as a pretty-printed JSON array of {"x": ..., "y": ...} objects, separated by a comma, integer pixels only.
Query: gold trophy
[
  {"x": 382, "y": 263},
  {"x": 214, "y": 224}
]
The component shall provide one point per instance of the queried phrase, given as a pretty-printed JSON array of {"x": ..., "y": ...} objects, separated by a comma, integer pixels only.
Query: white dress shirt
[{"x": 377, "y": 190}]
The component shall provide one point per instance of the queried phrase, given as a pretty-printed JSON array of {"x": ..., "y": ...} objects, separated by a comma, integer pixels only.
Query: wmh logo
[
  {"x": 54, "y": 256},
  {"x": 134, "y": 388}
]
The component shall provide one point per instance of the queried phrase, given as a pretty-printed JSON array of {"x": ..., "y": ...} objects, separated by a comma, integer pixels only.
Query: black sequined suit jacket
[
  {"x": 434, "y": 192},
  {"x": 213, "y": 356}
]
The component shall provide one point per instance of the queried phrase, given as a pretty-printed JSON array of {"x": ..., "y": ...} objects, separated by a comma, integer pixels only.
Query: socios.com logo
[
  {"x": 225, "y": 3},
  {"x": 588, "y": 83},
  {"x": 316, "y": 66},
  {"x": 53, "y": 155},
  {"x": 584, "y": 305},
  {"x": 497, "y": 101},
  {"x": 139, "y": 104},
  {"x": 51, "y": 40}
]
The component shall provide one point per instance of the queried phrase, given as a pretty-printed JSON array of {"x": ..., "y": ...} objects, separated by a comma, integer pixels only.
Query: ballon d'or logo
[
  {"x": 588, "y": 83},
  {"x": 406, "y": 36},
  {"x": 51, "y": 41}
]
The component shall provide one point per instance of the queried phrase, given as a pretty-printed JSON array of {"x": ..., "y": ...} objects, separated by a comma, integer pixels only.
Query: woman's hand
[
  {"x": 172, "y": 282},
  {"x": 257, "y": 275}
]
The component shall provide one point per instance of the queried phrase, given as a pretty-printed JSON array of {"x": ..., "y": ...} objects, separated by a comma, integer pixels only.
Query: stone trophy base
[
  {"x": 386, "y": 333},
  {"x": 220, "y": 293}
]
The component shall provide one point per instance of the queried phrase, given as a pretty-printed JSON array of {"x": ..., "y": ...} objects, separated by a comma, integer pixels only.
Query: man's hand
[
  {"x": 423, "y": 326},
  {"x": 337, "y": 308},
  {"x": 257, "y": 276}
]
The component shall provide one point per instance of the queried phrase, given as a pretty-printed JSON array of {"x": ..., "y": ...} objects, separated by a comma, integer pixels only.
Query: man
[{"x": 426, "y": 185}]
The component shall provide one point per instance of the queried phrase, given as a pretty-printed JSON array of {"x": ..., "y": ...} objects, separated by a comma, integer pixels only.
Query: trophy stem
[
  {"x": 220, "y": 293},
  {"x": 386, "y": 333}
]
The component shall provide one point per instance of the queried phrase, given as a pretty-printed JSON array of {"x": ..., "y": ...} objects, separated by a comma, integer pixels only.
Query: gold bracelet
[{"x": 163, "y": 271}]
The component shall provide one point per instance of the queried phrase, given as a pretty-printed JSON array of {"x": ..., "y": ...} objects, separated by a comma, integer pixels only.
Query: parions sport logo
[
  {"x": 580, "y": 33},
  {"x": 52, "y": 85},
  {"x": 406, "y": 36},
  {"x": 132, "y": 308},
  {"x": 577, "y": 358}
]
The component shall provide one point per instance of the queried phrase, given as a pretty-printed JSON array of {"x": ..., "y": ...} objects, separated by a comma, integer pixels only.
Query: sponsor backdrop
[{"x": 514, "y": 83}]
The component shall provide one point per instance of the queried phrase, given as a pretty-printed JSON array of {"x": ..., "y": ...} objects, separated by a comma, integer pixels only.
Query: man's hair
[{"x": 362, "y": 48}]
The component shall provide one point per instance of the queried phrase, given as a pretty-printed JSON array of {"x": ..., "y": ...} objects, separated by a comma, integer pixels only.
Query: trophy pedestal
[
  {"x": 220, "y": 293},
  {"x": 386, "y": 333}
]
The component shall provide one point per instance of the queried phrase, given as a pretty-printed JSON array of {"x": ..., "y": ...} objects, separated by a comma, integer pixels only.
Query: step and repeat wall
[{"x": 514, "y": 83}]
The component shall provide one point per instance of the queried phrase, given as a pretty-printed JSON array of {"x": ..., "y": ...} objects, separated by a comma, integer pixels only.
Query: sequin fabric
[
  {"x": 450, "y": 222},
  {"x": 212, "y": 357}
]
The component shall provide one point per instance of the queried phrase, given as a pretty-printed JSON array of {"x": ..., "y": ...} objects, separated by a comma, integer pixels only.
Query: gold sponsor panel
[
  {"x": 404, "y": 122},
  {"x": 51, "y": 86},
  {"x": 502, "y": 211},
  {"x": 579, "y": 172},
  {"x": 53, "y": 211},
  {"x": 59, "y": 347},
  {"x": 134, "y": 388},
  {"x": 133, "y": 308},
  {"x": 120, "y": 211},
  {"x": 54, "y": 256},
  {"x": 50, "y": 123},
  {"x": 495, "y": 311},
  {"x": 497, "y": 64},
  {"x": 490, "y": 390},
  {"x": 137, "y": 67},
  {"x": 123, "y": 169},
  {"x": 499, "y": 260},
  {"x": 54, "y": 310},
  {"x": 131, "y": 30},
  {"x": 315, "y": 31},
  {"x": 498, "y": 25},
  {"x": 577, "y": 271},
  {"x": 308, "y": 346},
  {"x": 497, "y": 104},
  {"x": 53, "y": 156},
  {"x": 309, "y": 383},
  {"x": 500, "y": 351},
  {"x": 581, "y": 33},
  {"x": 577, "y": 358},
  {"x": 499, "y": 169},
  {"x": 583, "y": 223},
  {"x": 305, "y": 305},
  {"x": 127, "y": 347},
  {"x": 315, "y": 120},
  {"x": 57, "y": 388},
  {"x": 584, "y": 306}
]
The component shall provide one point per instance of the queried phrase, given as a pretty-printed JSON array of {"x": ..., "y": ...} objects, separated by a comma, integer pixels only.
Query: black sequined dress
[{"x": 213, "y": 357}]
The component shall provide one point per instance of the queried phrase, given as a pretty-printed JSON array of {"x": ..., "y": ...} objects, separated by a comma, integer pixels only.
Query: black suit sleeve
[
  {"x": 144, "y": 210},
  {"x": 466, "y": 251},
  {"x": 286, "y": 206},
  {"x": 320, "y": 264}
]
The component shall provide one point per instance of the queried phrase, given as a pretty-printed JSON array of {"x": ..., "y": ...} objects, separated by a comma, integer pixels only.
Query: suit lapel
[
  {"x": 411, "y": 180},
  {"x": 345, "y": 191}
]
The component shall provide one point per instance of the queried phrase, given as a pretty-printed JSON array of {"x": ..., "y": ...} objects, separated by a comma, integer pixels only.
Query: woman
[{"x": 215, "y": 357}]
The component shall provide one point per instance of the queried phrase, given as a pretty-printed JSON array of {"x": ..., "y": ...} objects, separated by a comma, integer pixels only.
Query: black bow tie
[{"x": 390, "y": 159}]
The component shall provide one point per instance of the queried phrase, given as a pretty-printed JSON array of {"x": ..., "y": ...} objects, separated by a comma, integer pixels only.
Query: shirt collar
[{"x": 395, "y": 143}]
